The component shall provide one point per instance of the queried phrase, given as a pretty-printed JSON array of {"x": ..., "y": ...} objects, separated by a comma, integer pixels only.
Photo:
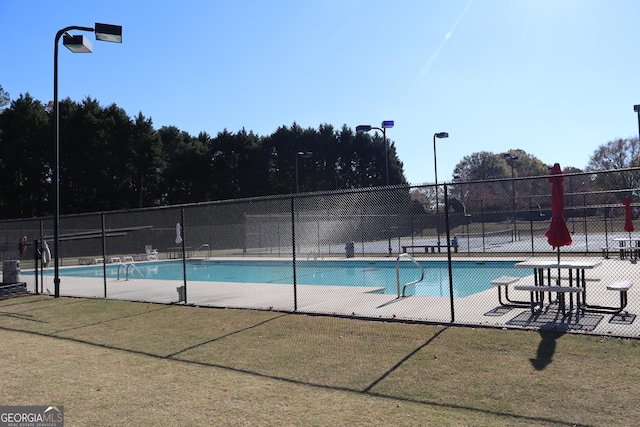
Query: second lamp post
[
  {"x": 512, "y": 160},
  {"x": 435, "y": 170},
  {"x": 385, "y": 125}
]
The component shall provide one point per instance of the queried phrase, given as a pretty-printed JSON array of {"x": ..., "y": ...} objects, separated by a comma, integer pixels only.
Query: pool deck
[{"x": 481, "y": 309}]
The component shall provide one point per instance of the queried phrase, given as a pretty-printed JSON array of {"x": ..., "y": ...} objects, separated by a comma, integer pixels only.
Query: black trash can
[{"x": 348, "y": 247}]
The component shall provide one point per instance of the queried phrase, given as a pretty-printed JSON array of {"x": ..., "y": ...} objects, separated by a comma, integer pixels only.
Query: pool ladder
[
  {"x": 204, "y": 245},
  {"x": 129, "y": 267},
  {"x": 315, "y": 255},
  {"x": 404, "y": 288}
]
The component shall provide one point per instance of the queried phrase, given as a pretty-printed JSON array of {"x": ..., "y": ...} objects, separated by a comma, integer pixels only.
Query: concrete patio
[{"x": 480, "y": 309}]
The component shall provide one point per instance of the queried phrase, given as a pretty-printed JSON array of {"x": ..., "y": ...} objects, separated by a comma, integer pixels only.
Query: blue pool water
[{"x": 469, "y": 277}]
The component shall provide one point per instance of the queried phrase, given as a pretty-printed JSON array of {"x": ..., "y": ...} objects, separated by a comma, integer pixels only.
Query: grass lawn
[{"x": 113, "y": 363}]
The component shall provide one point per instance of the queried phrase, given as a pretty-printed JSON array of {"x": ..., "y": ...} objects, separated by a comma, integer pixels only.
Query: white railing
[
  {"x": 404, "y": 288},
  {"x": 130, "y": 267}
]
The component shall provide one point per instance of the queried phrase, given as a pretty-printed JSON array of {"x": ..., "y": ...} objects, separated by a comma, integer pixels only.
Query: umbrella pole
[{"x": 558, "y": 279}]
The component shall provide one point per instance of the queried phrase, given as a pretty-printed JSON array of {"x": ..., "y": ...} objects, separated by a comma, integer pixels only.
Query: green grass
[{"x": 124, "y": 363}]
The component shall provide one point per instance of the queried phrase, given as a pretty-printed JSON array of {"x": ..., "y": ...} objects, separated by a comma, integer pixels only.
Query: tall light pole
[
  {"x": 512, "y": 160},
  {"x": 301, "y": 154},
  {"x": 636, "y": 108},
  {"x": 76, "y": 44},
  {"x": 467, "y": 217},
  {"x": 145, "y": 172},
  {"x": 435, "y": 168},
  {"x": 386, "y": 124}
]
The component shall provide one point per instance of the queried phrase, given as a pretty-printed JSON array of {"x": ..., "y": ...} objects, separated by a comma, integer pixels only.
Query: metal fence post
[
  {"x": 104, "y": 253},
  {"x": 36, "y": 251},
  {"x": 184, "y": 255},
  {"x": 293, "y": 252},
  {"x": 449, "y": 264},
  {"x": 533, "y": 251}
]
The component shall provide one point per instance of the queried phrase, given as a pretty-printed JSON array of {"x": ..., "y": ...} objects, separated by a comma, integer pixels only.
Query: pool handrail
[
  {"x": 315, "y": 255},
  {"x": 129, "y": 267},
  {"x": 204, "y": 245},
  {"x": 404, "y": 288}
]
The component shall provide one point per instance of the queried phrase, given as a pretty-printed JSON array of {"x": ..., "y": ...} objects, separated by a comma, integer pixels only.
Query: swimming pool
[{"x": 469, "y": 277}]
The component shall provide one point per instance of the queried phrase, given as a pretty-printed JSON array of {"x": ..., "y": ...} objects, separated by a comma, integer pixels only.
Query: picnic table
[
  {"x": 549, "y": 277},
  {"x": 628, "y": 246}
]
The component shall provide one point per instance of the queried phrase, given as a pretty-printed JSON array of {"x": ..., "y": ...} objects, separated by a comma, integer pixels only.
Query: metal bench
[
  {"x": 175, "y": 252},
  {"x": 430, "y": 248},
  {"x": 89, "y": 261}
]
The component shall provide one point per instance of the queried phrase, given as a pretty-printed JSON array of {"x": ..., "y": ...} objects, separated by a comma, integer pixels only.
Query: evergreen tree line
[{"x": 110, "y": 161}]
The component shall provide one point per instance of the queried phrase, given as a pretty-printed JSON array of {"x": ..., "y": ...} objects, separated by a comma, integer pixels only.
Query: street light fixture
[
  {"x": 512, "y": 160},
  {"x": 306, "y": 154},
  {"x": 435, "y": 168},
  {"x": 76, "y": 44},
  {"x": 457, "y": 178},
  {"x": 386, "y": 124}
]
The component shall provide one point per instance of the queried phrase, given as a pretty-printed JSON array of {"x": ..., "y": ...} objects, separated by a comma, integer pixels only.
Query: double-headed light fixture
[
  {"x": 386, "y": 124},
  {"x": 306, "y": 154},
  {"x": 76, "y": 44}
]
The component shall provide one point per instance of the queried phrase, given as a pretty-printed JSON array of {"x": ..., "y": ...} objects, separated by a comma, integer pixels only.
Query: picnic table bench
[
  {"x": 621, "y": 286},
  {"x": 536, "y": 292},
  {"x": 504, "y": 282}
]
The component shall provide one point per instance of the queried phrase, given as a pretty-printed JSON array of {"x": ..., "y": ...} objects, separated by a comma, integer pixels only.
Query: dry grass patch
[{"x": 123, "y": 363}]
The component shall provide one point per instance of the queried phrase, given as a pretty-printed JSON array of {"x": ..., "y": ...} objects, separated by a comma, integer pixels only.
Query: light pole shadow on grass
[
  {"x": 257, "y": 374},
  {"x": 21, "y": 316},
  {"x": 247, "y": 328},
  {"x": 403, "y": 360}
]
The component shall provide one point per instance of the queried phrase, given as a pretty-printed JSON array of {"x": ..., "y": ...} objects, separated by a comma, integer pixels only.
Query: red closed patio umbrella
[
  {"x": 558, "y": 233},
  {"x": 628, "y": 216}
]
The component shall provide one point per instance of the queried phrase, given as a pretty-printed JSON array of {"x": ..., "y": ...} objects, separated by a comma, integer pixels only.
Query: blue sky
[{"x": 554, "y": 78}]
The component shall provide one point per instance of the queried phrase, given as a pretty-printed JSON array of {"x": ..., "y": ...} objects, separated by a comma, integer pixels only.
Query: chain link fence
[{"x": 446, "y": 254}]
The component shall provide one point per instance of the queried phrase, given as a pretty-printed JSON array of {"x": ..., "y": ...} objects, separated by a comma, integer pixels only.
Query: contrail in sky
[{"x": 427, "y": 66}]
